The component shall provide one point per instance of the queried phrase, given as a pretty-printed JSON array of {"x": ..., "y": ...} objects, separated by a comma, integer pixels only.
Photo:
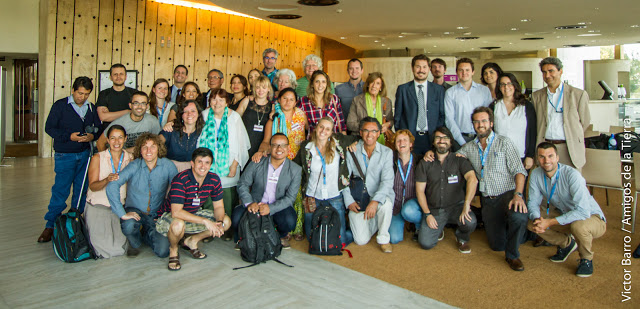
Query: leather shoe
[
  {"x": 539, "y": 241},
  {"x": 515, "y": 264},
  {"x": 386, "y": 248},
  {"x": 46, "y": 235}
]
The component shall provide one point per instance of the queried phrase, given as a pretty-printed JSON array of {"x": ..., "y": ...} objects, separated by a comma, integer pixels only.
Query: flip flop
[
  {"x": 174, "y": 260},
  {"x": 195, "y": 253}
]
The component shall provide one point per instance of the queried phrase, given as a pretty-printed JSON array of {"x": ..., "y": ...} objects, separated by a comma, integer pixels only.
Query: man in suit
[
  {"x": 180, "y": 74},
  {"x": 270, "y": 187},
  {"x": 563, "y": 114},
  {"x": 420, "y": 105}
]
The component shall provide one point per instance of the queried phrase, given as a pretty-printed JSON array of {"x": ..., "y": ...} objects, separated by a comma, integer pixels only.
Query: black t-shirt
[
  {"x": 446, "y": 185},
  {"x": 115, "y": 101}
]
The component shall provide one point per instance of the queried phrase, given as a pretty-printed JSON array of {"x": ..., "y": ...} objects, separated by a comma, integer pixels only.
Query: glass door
[{"x": 25, "y": 101}]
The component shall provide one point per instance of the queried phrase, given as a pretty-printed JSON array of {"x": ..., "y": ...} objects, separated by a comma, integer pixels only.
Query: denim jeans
[
  {"x": 284, "y": 220},
  {"x": 411, "y": 212},
  {"x": 131, "y": 229},
  {"x": 69, "y": 168},
  {"x": 338, "y": 204}
]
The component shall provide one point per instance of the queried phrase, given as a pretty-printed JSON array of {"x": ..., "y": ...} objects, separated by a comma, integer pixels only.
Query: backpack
[
  {"x": 627, "y": 142},
  {"x": 597, "y": 142},
  {"x": 258, "y": 239},
  {"x": 71, "y": 242},
  {"x": 325, "y": 232}
]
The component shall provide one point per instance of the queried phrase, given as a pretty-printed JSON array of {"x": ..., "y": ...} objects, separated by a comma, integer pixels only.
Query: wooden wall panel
[
  {"x": 127, "y": 45},
  {"x": 164, "y": 45},
  {"x": 64, "y": 49},
  {"x": 179, "y": 35},
  {"x": 46, "y": 68},
  {"x": 85, "y": 39},
  {"x": 279, "y": 44},
  {"x": 139, "y": 39},
  {"x": 284, "y": 59},
  {"x": 105, "y": 34},
  {"x": 257, "y": 52},
  {"x": 265, "y": 32},
  {"x": 219, "y": 43},
  {"x": 117, "y": 20},
  {"x": 190, "y": 41},
  {"x": 235, "y": 49},
  {"x": 247, "y": 48},
  {"x": 203, "y": 41},
  {"x": 149, "y": 53}
]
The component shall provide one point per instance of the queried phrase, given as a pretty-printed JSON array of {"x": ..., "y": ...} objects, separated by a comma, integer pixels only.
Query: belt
[
  {"x": 556, "y": 141},
  {"x": 421, "y": 133}
]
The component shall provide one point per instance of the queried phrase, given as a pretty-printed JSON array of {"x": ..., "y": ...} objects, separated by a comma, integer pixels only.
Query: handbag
[
  {"x": 309, "y": 202},
  {"x": 358, "y": 186}
]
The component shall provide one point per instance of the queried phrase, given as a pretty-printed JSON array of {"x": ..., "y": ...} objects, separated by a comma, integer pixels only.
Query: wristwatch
[
  {"x": 519, "y": 194},
  {"x": 427, "y": 214}
]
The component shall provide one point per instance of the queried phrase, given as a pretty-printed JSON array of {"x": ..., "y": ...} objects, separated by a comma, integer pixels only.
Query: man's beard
[{"x": 484, "y": 135}]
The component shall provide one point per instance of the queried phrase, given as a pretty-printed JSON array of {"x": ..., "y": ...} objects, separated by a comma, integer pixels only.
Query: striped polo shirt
[{"x": 184, "y": 189}]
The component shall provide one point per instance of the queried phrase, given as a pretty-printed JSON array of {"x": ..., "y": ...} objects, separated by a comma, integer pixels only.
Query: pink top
[{"x": 106, "y": 168}]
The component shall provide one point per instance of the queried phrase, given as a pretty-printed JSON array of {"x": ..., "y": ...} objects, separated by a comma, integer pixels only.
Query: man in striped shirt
[{"x": 183, "y": 211}]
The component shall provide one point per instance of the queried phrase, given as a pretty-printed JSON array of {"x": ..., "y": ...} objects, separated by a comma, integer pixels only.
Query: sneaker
[
  {"x": 585, "y": 268},
  {"x": 563, "y": 253},
  {"x": 441, "y": 237},
  {"x": 285, "y": 243},
  {"x": 463, "y": 247},
  {"x": 237, "y": 247},
  {"x": 132, "y": 252},
  {"x": 386, "y": 248}
]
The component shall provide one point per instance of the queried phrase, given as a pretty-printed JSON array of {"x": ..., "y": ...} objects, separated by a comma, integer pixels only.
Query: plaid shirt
[
  {"x": 333, "y": 110},
  {"x": 501, "y": 166}
]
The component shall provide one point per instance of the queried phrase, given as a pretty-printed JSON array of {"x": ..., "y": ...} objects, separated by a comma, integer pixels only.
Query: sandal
[
  {"x": 174, "y": 260},
  {"x": 195, "y": 253}
]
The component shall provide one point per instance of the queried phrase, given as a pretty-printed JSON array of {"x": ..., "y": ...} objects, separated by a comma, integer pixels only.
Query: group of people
[{"x": 178, "y": 166}]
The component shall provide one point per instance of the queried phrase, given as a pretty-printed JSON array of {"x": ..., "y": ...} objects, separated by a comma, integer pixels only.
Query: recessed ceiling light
[
  {"x": 570, "y": 27},
  {"x": 446, "y": 32},
  {"x": 467, "y": 33},
  {"x": 465, "y": 38},
  {"x": 575, "y": 45},
  {"x": 532, "y": 39},
  {"x": 401, "y": 36},
  {"x": 582, "y": 23},
  {"x": 342, "y": 38},
  {"x": 377, "y": 41},
  {"x": 284, "y": 16},
  {"x": 514, "y": 29},
  {"x": 277, "y": 8},
  {"x": 462, "y": 27},
  {"x": 590, "y": 34},
  {"x": 318, "y": 2},
  {"x": 435, "y": 45},
  {"x": 635, "y": 26},
  {"x": 490, "y": 47},
  {"x": 525, "y": 20},
  {"x": 384, "y": 45},
  {"x": 415, "y": 33},
  {"x": 593, "y": 31}
]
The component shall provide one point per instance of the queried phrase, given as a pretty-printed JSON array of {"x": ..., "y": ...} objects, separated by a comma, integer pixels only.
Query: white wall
[{"x": 19, "y": 21}]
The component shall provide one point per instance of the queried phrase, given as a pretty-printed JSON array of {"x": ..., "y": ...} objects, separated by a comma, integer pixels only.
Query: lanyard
[
  {"x": 324, "y": 167},
  {"x": 403, "y": 176},
  {"x": 559, "y": 100},
  {"x": 364, "y": 157},
  {"x": 553, "y": 188},
  {"x": 484, "y": 154},
  {"x": 113, "y": 166},
  {"x": 161, "y": 113}
]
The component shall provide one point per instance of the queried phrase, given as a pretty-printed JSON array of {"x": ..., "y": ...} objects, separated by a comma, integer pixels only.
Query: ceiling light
[
  {"x": 446, "y": 32},
  {"x": 590, "y": 34},
  {"x": 582, "y": 23},
  {"x": 201, "y": 6},
  {"x": 318, "y": 2},
  {"x": 462, "y": 28},
  {"x": 635, "y": 26},
  {"x": 490, "y": 47},
  {"x": 514, "y": 29},
  {"x": 435, "y": 45},
  {"x": 464, "y": 38},
  {"x": 277, "y": 8},
  {"x": 284, "y": 16},
  {"x": 401, "y": 36},
  {"x": 383, "y": 44},
  {"x": 570, "y": 27},
  {"x": 377, "y": 41},
  {"x": 575, "y": 45},
  {"x": 342, "y": 38},
  {"x": 467, "y": 33},
  {"x": 525, "y": 20},
  {"x": 367, "y": 36},
  {"x": 532, "y": 39}
]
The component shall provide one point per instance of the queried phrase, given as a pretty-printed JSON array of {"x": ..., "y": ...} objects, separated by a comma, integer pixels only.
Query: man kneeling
[
  {"x": 577, "y": 211},
  {"x": 182, "y": 211}
]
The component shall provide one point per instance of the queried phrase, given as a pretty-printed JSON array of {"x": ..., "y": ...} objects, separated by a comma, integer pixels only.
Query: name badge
[
  {"x": 325, "y": 194},
  {"x": 453, "y": 179},
  {"x": 273, "y": 179},
  {"x": 481, "y": 185},
  {"x": 295, "y": 127},
  {"x": 258, "y": 128},
  {"x": 196, "y": 202}
]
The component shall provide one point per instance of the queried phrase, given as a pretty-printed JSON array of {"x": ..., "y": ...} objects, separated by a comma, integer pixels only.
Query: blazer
[
  {"x": 358, "y": 111},
  {"x": 254, "y": 181},
  {"x": 406, "y": 111},
  {"x": 575, "y": 118}
]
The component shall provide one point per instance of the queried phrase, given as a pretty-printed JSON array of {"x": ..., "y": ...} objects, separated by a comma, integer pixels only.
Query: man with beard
[
  {"x": 420, "y": 105},
  {"x": 576, "y": 218},
  {"x": 136, "y": 123},
  {"x": 269, "y": 58},
  {"x": 438, "y": 67},
  {"x": 445, "y": 189},
  {"x": 113, "y": 102},
  {"x": 501, "y": 179},
  {"x": 351, "y": 88}
]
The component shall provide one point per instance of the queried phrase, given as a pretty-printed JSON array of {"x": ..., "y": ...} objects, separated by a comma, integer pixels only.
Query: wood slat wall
[{"x": 86, "y": 36}]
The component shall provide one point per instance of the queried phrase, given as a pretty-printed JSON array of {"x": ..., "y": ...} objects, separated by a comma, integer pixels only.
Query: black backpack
[
  {"x": 325, "y": 232},
  {"x": 70, "y": 238},
  {"x": 258, "y": 239}
]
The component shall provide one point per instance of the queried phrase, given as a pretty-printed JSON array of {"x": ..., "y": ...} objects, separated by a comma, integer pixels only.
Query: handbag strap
[{"x": 362, "y": 175}]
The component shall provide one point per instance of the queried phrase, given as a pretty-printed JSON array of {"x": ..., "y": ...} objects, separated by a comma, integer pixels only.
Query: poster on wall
[{"x": 104, "y": 82}]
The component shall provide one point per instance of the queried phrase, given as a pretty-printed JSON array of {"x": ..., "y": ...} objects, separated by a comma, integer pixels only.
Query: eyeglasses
[
  {"x": 139, "y": 103},
  {"x": 506, "y": 84},
  {"x": 369, "y": 131},
  {"x": 480, "y": 121},
  {"x": 270, "y": 58},
  {"x": 215, "y": 77},
  {"x": 283, "y": 146},
  {"x": 443, "y": 138}
]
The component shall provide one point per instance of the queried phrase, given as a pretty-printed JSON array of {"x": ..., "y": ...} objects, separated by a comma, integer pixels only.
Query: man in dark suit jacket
[
  {"x": 421, "y": 120},
  {"x": 270, "y": 187}
]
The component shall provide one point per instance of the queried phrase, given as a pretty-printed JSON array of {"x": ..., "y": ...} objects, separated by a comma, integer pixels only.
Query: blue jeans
[
  {"x": 338, "y": 204},
  {"x": 411, "y": 212},
  {"x": 131, "y": 229},
  {"x": 69, "y": 168},
  {"x": 284, "y": 220}
]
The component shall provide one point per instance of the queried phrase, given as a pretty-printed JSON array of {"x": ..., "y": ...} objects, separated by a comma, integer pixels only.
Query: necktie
[
  {"x": 178, "y": 94},
  {"x": 422, "y": 110}
]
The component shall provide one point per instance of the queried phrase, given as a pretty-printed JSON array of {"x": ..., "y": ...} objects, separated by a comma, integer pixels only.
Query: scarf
[
  {"x": 217, "y": 142},
  {"x": 281, "y": 125},
  {"x": 378, "y": 112}
]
